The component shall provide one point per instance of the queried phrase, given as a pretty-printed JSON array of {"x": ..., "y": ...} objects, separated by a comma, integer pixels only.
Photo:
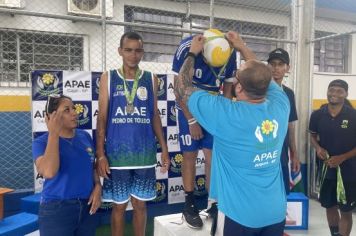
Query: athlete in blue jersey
[
  {"x": 191, "y": 136},
  {"x": 65, "y": 158},
  {"x": 246, "y": 175},
  {"x": 127, "y": 127}
]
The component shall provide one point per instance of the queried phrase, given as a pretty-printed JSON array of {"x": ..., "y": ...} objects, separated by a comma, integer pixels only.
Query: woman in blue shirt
[{"x": 64, "y": 156}]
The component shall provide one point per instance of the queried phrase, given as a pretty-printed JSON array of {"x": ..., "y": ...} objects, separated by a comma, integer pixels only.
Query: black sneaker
[{"x": 191, "y": 216}]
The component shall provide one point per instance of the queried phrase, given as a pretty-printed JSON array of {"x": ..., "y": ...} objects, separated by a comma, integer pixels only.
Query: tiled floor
[{"x": 318, "y": 225}]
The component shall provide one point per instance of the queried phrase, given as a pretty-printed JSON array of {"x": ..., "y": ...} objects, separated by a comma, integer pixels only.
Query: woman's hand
[{"x": 95, "y": 199}]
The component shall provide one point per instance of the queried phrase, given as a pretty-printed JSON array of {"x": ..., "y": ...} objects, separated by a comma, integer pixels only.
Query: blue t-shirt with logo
[
  {"x": 74, "y": 178},
  {"x": 246, "y": 176}
]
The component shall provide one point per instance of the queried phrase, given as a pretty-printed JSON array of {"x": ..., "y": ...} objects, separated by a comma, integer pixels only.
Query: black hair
[
  {"x": 53, "y": 102},
  {"x": 130, "y": 35}
]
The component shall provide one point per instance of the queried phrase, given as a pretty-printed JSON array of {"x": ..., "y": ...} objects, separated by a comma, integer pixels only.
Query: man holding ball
[{"x": 215, "y": 66}]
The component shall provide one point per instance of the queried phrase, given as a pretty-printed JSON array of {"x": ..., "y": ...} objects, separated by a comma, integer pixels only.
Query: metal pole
[
  {"x": 211, "y": 23},
  {"x": 332, "y": 36},
  {"x": 103, "y": 35},
  {"x": 18, "y": 58}
]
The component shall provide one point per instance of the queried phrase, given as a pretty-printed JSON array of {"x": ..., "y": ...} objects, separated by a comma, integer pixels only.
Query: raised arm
[
  {"x": 48, "y": 164},
  {"x": 236, "y": 42}
]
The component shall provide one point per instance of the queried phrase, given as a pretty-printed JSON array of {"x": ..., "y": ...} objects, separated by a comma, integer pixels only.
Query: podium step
[
  {"x": 19, "y": 224},
  {"x": 31, "y": 203}
]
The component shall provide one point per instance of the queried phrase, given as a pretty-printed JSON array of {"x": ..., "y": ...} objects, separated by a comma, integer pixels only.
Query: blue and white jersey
[
  {"x": 130, "y": 139},
  {"x": 204, "y": 77},
  {"x": 246, "y": 176}
]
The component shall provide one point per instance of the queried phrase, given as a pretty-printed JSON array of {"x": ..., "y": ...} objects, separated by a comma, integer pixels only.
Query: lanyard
[
  {"x": 217, "y": 76},
  {"x": 130, "y": 96}
]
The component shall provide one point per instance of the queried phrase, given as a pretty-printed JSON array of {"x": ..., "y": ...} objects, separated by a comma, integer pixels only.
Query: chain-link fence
[{"x": 85, "y": 35}]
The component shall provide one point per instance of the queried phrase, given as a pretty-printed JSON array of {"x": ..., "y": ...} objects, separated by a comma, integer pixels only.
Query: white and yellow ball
[{"x": 216, "y": 48}]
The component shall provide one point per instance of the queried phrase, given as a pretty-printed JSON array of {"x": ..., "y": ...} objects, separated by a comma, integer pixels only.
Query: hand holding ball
[{"x": 216, "y": 48}]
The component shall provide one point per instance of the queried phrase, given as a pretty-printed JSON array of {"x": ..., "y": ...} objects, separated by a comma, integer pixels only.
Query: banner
[{"x": 83, "y": 88}]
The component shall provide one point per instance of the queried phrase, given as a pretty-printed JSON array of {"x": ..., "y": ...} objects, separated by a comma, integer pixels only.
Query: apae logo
[
  {"x": 160, "y": 191},
  {"x": 176, "y": 163},
  {"x": 82, "y": 112},
  {"x": 47, "y": 84}
]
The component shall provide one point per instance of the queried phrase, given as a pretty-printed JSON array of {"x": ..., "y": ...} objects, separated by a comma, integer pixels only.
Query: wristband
[
  {"x": 190, "y": 54},
  {"x": 191, "y": 120},
  {"x": 100, "y": 158},
  {"x": 192, "y": 123}
]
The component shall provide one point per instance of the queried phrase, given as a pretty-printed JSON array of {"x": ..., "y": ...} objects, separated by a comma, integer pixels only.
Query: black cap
[
  {"x": 339, "y": 83},
  {"x": 279, "y": 53}
]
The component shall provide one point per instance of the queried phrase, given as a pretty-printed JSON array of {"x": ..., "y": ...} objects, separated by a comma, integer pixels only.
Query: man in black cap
[
  {"x": 278, "y": 60},
  {"x": 333, "y": 134}
]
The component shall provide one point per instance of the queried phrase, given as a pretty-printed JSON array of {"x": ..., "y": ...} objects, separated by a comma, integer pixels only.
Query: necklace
[{"x": 130, "y": 96}]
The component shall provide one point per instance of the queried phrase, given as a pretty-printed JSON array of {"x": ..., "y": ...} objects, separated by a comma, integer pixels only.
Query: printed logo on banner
[
  {"x": 175, "y": 190},
  {"x": 176, "y": 164},
  {"x": 38, "y": 116},
  {"x": 162, "y": 87},
  {"x": 77, "y": 85},
  {"x": 172, "y": 139},
  {"x": 161, "y": 191},
  {"x": 170, "y": 88},
  {"x": 95, "y": 84},
  {"x": 83, "y": 109},
  {"x": 159, "y": 174},
  {"x": 171, "y": 113},
  {"x": 162, "y": 109},
  {"x": 45, "y": 83},
  {"x": 200, "y": 163},
  {"x": 199, "y": 188},
  {"x": 94, "y": 114}
]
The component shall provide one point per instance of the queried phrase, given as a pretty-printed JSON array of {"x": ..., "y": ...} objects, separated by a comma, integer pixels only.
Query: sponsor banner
[
  {"x": 199, "y": 186},
  {"x": 175, "y": 190},
  {"x": 83, "y": 88}
]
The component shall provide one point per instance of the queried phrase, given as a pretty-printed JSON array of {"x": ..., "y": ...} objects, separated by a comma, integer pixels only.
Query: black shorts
[
  {"x": 227, "y": 227},
  {"x": 328, "y": 195}
]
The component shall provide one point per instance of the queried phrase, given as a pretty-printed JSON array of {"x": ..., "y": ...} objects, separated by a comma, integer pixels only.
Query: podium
[{"x": 174, "y": 225}]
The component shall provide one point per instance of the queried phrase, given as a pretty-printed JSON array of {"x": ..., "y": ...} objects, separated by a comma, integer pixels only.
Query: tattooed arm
[{"x": 183, "y": 87}]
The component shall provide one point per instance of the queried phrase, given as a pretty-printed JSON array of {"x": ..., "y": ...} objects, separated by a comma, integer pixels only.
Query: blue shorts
[
  {"x": 187, "y": 144},
  {"x": 227, "y": 226},
  {"x": 124, "y": 183}
]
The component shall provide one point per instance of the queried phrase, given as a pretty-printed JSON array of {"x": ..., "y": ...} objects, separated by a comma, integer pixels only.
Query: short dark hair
[
  {"x": 53, "y": 102},
  {"x": 130, "y": 35},
  {"x": 255, "y": 79}
]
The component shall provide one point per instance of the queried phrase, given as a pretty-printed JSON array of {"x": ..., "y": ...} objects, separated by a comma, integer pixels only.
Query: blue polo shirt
[{"x": 337, "y": 135}]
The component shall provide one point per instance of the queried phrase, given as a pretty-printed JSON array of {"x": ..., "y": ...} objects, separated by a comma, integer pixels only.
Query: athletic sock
[{"x": 189, "y": 198}]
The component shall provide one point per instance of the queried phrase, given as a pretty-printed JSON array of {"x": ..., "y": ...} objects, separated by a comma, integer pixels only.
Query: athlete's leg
[
  {"x": 139, "y": 216},
  {"x": 207, "y": 155},
  {"x": 345, "y": 223},
  {"x": 118, "y": 219}
]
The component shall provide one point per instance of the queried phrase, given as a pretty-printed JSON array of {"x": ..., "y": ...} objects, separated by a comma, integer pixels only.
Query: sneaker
[{"x": 191, "y": 216}]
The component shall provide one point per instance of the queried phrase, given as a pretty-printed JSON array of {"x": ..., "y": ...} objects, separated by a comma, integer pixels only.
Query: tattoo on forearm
[{"x": 183, "y": 83}]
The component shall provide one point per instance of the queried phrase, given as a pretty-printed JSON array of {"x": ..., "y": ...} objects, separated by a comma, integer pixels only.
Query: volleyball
[{"x": 216, "y": 48}]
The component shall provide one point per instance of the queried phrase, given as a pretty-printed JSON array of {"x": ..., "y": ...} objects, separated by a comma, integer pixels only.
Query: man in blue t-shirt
[
  {"x": 333, "y": 135},
  {"x": 278, "y": 59},
  {"x": 246, "y": 174}
]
